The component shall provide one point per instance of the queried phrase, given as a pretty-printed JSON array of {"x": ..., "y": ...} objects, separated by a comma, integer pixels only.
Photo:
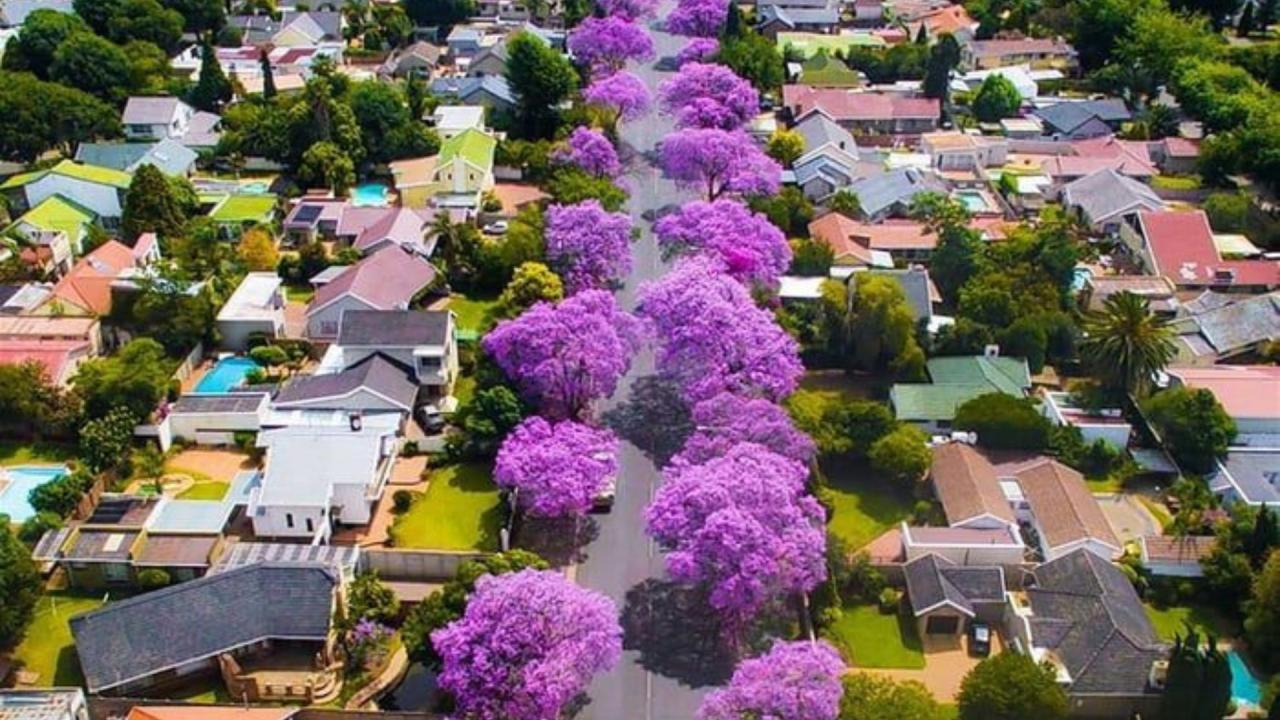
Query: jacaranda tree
[
  {"x": 528, "y": 643},
  {"x": 717, "y": 162},
  {"x": 558, "y": 468},
  {"x": 743, "y": 527},
  {"x": 700, "y": 18},
  {"x": 744, "y": 243},
  {"x": 792, "y": 681},
  {"x": 563, "y": 356},
  {"x": 707, "y": 95},
  {"x": 606, "y": 44},
  {"x": 588, "y": 246},
  {"x": 628, "y": 9},
  {"x": 619, "y": 96},
  {"x": 713, "y": 338},
  {"x": 590, "y": 150},
  {"x": 698, "y": 49},
  {"x": 724, "y": 421}
]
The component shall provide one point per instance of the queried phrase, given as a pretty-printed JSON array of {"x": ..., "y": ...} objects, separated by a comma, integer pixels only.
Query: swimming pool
[
  {"x": 370, "y": 195},
  {"x": 1245, "y": 687},
  {"x": 227, "y": 374},
  {"x": 21, "y": 481},
  {"x": 973, "y": 200},
  {"x": 255, "y": 187}
]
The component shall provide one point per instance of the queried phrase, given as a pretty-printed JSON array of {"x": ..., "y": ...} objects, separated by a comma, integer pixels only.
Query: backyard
[
  {"x": 864, "y": 505},
  {"x": 17, "y": 453},
  {"x": 47, "y": 648},
  {"x": 459, "y": 511},
  {"x": 474, "y": 313},
  {"x": 212, "y": 490},
  {"x": 868, "y": 638},
  {"x": 1174, "y": 619}
]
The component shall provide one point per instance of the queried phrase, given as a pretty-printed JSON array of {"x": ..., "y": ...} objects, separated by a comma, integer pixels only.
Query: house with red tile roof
[
  {"x": 946, "y": 20},
  {"x": 1250, "y": 394},
  {"x": 1039, "y": 53},
  {"x": 1064, "y": 514},
  {"x": 388, "y": 279},
  {"x": 864, "y": 113},
  {"x": 1180, "y": 246},
  {"x": 59, "y": 358},
  {"x": 857, "y": 243},
  {"x": 87, "y": 289}
]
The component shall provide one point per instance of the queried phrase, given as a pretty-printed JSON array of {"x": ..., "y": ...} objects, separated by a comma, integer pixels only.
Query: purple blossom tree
[
  {"x": 528, "y": 643},
  {"x": 628, "y": 9},
  {"x": 719, "y": 161},
  {"x": 726, "y": 420},
  {"x": 621, "y": 96},
  {"x": 557, "y": 467},
  {"x": 590, "y": 150},
  {"x": 793, "y": 681},
  {"x": 563, "y": 356},
  {"x": 714, "y": 339},
  {"x": 743, "y": 526},
  {"x": 707, "y": 95},
  {"x": 587, "y": 245},
  {"x": 606, "y": 44},
  {"x": 746, "y": 244},
  {"x": 699, "y": 18},
  {"x": 698, "y": 49}
]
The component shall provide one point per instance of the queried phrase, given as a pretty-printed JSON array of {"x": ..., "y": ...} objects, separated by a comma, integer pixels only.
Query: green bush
[
  {"x": 410, "y": 448},
  {"x": 153, "y": 578},
  {"x": 1004, "y": 422},
  {"x": 889, "y": 600},
  {"x": 59, "y": 497},
  {"x": 37, "y": 525},
  {"x": 401, "y": 500},
  {"x": 1194, "y": 427}
]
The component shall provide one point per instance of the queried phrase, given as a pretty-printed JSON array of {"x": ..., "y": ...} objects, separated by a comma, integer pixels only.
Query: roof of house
[
  {"x": 202, "y": 131},
  {"x": 400, "y": 225},
  {"x": 166, "y": 628},
  {"x": 67, "y": 328},
  {"x": 949, "y": 19},
  {"x": 376, "y": 373},
  {"x": 1237, "y": 324},
  {"x": 915, "y": 285},
  {"x": 1008, "y": 375},
  {"x": 1106, "y": 194},
  {"x": 73, "y": 169},
  {"x": 150, "y": 110},
  {"x": 52, "y": 355},
  {"x": 852, "y": 105},
  {"x": 394, "y": 328},
  {"x": 465, "y": 87},
  {"x": 1087, "y": 613},
  {"x": 514, "y": 196},
  {"x": 1244, "y": 391},
  {"x": 14, "y": 12},
  {"x": 110, "y": 545},
  {"x": 1187, "y": 549},
  {"x": 824, "y": 70},
  {"x": 934, "y": 581},
  {"x": 1020, "y": 46},
  {"x": 472, "y": 145},
  {"x": 1152, "y": 287},
  {"x": 966, "y": 485},
  {"x": 59, "y": 214},
  {"x": 206, "y": 712},
  {"x": 880, "y": 193},
  {"x": 413, "y": 172},
  {"x": 889, "y": 235},
  {"x": 169, "y": 156},
  {"x": 793, "y": 16},
  {"x": 303, "y": 463},
  {"x": 254, "y": 298},
  {"x": 171, "y": 551},
  {"x": 88, "y": 284},
  {"x": 315, "y": 25},
  {"x": 1183, "y": 250},
  {"x": 39, "y": 703},
  {"x": 1254, "y": 473},
  {"x": 837, "y": 231},
  {"x": 341, "y": 558},
  {"x": 386, "y": 280},
  {"x": 1070, "y": 115},
  {"x": 1065, "y": 510},
  {"x": 925, "y": 402},
  {"x": 819, "y": 130},
  {"x": 458, "y": 117}
]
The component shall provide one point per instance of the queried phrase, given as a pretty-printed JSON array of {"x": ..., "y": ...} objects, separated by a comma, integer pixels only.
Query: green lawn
[
  {"x": 300, "y": 292},
  {"x": 16, "y": 453},
  {"x": 865, "y": 505},
  {"x": 459, "y": 511},
  {"x": 47, "y": 648},
  {"x": 214, "y": 490},
  {"x": 473, "y": 312},
  {"x": 464, "y": 389},
  {"x": 1173, "y": 620},
  {"x": 1158, "y": 509},
  {"x": 868, "y": 638},
  {"x": 1176, "y": 182}
]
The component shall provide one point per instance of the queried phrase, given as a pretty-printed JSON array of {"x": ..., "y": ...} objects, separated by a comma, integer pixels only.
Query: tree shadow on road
[
  {"x": 559, "y": 541},
  {"x": 654, "y": 418},
  {"x": 676, "y": 633}
]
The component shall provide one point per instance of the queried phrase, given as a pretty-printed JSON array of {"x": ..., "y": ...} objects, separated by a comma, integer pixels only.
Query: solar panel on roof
[{"x": 308, "y": 213}]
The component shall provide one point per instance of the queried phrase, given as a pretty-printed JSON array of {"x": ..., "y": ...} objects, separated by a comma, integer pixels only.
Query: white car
[
  {"x": 604, "y": 500},
  {"x": 495, "y": 228}
]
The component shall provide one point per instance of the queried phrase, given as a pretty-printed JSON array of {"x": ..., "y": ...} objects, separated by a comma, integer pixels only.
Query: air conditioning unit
[{"x": 991, "y": 351}]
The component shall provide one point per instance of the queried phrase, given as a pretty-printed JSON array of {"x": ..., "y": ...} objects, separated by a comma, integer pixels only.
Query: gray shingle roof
[
  {"x": 1255, "y": 474},
  {"x": 466, "y": 87},
  {"x": 817, "y": 130},
  {"x": 1106, "y": 192},
  {"x": 145, "y": 110},
  {"x": 1087, "y": 612},
  {"x": 933, "y": 580},
  {"x": 880, "y": 193},
  {"x": 393, "y": 328},
  {"x": 1241, "y": 323},
  {"x": 147, "y": 634},
  {"x": 169, "y": 156},
  {"x": 1067, "y": 116},
  {"x": 377, "y": 373},
  {"x": 14, "y": 12}
]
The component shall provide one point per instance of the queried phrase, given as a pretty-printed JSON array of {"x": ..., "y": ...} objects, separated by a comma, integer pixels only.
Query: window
[
  {"x": 115, "y": 572},
  {"x": 288, "y": 520},
  {"x": 310, "y": 526}
]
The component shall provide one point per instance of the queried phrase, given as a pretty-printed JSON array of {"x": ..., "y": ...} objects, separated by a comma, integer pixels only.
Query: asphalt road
[{"x": 671, "y": 657}]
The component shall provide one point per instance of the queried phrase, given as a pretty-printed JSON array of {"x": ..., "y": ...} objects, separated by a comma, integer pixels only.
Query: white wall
[
  {"x": 192, "y": 425},
  {"x": 332, "y": 313},
  {"x": 970, "y": 554},
  {"x": 356, "y": 508},
  {"x": 273, "y": 521},
  {"x": 235, "y": 333}
]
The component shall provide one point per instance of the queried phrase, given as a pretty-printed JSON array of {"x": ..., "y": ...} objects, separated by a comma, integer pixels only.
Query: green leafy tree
[
  {"x": 944, "y": 56},
  {"x": 997, "y": 99},
  {"x": 846, "y": 203},
  {"x": 97, "y": 13},
  {"x": 148, "y": 68},
  {"x": 33, "y": 48},
  {"x": 135, "y": 378},
  {"x": 955, "y": 260},
  {"x": 212, "y": 89},
  {"x": 60, "y": 496},
  {"x": 268, "y": 75},
  {"x": 257, "y": 250},
  {"x": 851, "y": 428},
  {"x": 368, "y": 598},
  {"x": 1161, "y": 38},
  {"x": 789, "y": 210},
  {"x": 1011, "y": 686},
  {"x": 1198, "y": 684},
  {"x": 200, "y": 15},
  {"x": 439, "y": 13},
  {"x": 146, "y": 20},
  {"x": 571, "y": 185},
  {"x": 151, "y": 206},
  {"x": 754, "y": 58},
  {"x": 785, "y": 146},
  {"x": 104, "y": 442},
  {"x": 902, "y": 455},
  {"x": 532, "y": 283},
  {"x": 379, "y": 109},
  {"x": 491, "y": 414},
  {"x": 34, "y": 527},
  {"x": 64, "y": 117},
  {"x": 872, "y": 697},
  {"x": 92, "y": 64},
  {"x": 19, "y": 587},
  {"x": 810, "y": 258},
  {"x": 1228, "y": 212},
  {"x": 325, "y": 165},
  {"x": 541, "y": 79},
  {"x": 1126, "y": 344},
  {"x": 1100, "y": 24},
  {"x": 880, "y": 328},
  {"x": 1194, "y": 427},
  {"x": 1003, "y": 422},
  {"x": 1262, "y": 619}
]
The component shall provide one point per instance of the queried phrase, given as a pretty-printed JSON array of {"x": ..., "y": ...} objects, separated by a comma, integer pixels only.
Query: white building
[
  {"x": 43, "y": 704},
  {"x": 450, "y": 120},
  {"x": 257, "y": 306},
  {"x": 1107, "y": 424},
  {"x": 156, "y": 118}
]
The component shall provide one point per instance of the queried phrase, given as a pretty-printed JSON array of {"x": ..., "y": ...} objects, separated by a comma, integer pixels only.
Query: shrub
[
  {"x": 889, "y": 600},
  {"x": 1004, "y": 422},
  {"x": 401, "y": 500},
  {"x": 37, "y": 525},
  {"x": 153, "y": 578},
  {"x": 903, "y": 455},
  {"x": 1195, "y": 428},
  {"x": 410, "y": 448},
  {"x": 60, "y": 496}
]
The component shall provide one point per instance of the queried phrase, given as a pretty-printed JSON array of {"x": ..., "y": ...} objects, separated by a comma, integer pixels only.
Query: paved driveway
[
  {"x": 1129, "y": 519},
  {"x": 945, "y": 665}
]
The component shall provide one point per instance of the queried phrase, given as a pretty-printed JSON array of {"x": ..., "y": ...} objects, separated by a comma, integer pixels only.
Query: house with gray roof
[
  {"x": 222, "y": 621},
  {"x": 43, "y": 704},
  {"x": 422, "y": 343},
  {"x": 892, "y": 193},
  {"x": 491, "y": 91},
  {"x": 168, "y": 156},
  {"x": 1083, "y": 617},
  {"x": 1249, "y": 474},
  {"x": 14, "y": 12},
  {"x": 945, "y": 597},
  {"x": 1079, "y": 120},
  {"x": 375, "y": 384},
  {"x": 774, "y": 19},
  {"x": 1105, "y": 200},
  {"x": 1218, "y": 326},
  {"x": 156, "y": 118}
]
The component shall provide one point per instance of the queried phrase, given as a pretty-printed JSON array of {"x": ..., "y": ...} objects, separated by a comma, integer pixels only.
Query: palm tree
[{"x": 1125, "y": 344}]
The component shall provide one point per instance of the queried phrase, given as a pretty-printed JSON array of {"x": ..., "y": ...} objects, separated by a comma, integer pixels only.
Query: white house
[
  {"x": 1064, "y": 514},
  {"x": 212, "y": 418},
  {"x": 257, "y": 306},
  {"x": 156, "y": 118},
  {"x": 1171, "y": 556},
  {"x": 964, "y": 546},
  {"x": 450, "y": 120},
  {"x": 96, "y": 189},
  {"x": 1107, "y": 424},
  {"x": 319, "y": 477},
  {"x": 420, "y": 341}
]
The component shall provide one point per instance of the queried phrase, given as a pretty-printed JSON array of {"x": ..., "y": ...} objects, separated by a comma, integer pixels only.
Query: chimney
[{"x": 991, "y": 351}]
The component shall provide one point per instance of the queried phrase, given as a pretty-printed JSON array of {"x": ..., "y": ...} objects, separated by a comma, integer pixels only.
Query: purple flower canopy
[
  {"x": 590, "y": 150},
  {"x": 528, "y": 643},
  {"x": 588, "y": 246},
  {"x": 621, "y": 93},
  {"x": 558, "y": 467},
  {"x": 706, "y": 95},
  {"x": 606, "y": 44},
  {"x": 701, "y": 18},
  {"x": 726, "y": 420},
  {"x": 745, "y": 244},
  {"x": 793, "y": 681},
  {"x": 719, "y": 161},
  {"x": 698, "y": 49}
]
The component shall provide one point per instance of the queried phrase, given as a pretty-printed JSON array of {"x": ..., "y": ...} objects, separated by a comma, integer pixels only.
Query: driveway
[
  {"x": 1129, "y": 519},
  {"x": 945, "y": 665}
]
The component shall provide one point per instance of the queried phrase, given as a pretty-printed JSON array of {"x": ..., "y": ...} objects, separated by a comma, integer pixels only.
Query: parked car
[
  {"x": 498, "y": 227},
  {"x": 430, "y": 419},
  {"x": 979, "y": 639},
  {"x": 604, "y": 501}
]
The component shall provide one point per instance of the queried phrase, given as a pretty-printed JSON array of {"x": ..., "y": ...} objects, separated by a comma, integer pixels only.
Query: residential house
[
  {"x": 1175, "y": 556},
  {"x": 51, "y": 332},
  {"x": 156, "y": 118},
  {"x": 867, "y": 13},
  {"x": 419, "y": 60},
  {"x": 255, "y": 309},
  {"x": 773, "y": 19},
  {"x": 375, "y": 384},
  {"x": 97, "y": 189},
  {"x": 966, "y": 485},
  {"x": 316, "y": 478},
  {"x": 825, "y": 71},
  {"x": 1105, "y": 424},
  {"x": 998, "y": 546},
  {"x": 830, "y": 160},
  {"x": 515, "y": 197},
  {"x": 311, "y": 28},
  {"x": 168, "y": 156},
  {"x": 1051, "y": 53},
  {"x": 1129, "y": 158},
  {"x": 490, "y": 91},
  {"x": 87, "y": 289},
  {"x": 865, "y": 113},
  {"x": 1082, "y": 119},
  {"x": 1022, "y": 77},
  {"x": 1082, "y": 615},
  {"x": 207, "y": 712},
  {"x": 389, "y": 279},
  {"x": 1158, "y": 290},
  {"x": 55, "y": 228},
  {"x": 450, "y": 120},
  {"x": 464, "y": 169},
  {"x": 953, "y": 382},
  {"x": 216, "y": 624},
  {"x": 1176, "y": 155},
  {"x": 22, "y": 298},
  {"x": 414, "y": 180},
  {"x": 1063, "y": 513},
  {"x": 892, "y": 193},
  {"x": 1106, "y": 200},
  {"x": 1250, "y": 394},
  {"x": 214, "y": 418},
  {"x": 947, "y": 19},
  {"x": 465, "y": 40},
  {"x": 1218, "y": 326},
  {"x": 1180, "y": 247},
  {"x": 916, "y": 286},
  {"x": 1248, "y": 474},
  {"x": 367, "y": 229},
  {"x": 43, "y": 704},
  {"x": 963, "y": 151},
  {"x": 100, "y": 552},
  {"x": 945, "y": 598},
  {"x": 856, "y": 244},
  {"x": 423, "y": 342}
]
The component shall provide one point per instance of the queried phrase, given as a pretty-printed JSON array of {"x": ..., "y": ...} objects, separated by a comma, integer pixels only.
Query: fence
[
  {"x": 89, "y": 500},
  {"x": 420, "y": 565},
  {"x": 189, "y": 363}
]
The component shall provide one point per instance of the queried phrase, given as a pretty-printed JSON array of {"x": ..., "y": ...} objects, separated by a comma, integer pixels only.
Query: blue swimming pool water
[
  {"x": 22, "y": 480},
  {"x": 973, "y": 201},
  {"x": 227, "y": 374},
  {"x": 257, "y": 187},
  {"x": 1244, "y": 686},
  {"x": 370, "y": 195}
]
